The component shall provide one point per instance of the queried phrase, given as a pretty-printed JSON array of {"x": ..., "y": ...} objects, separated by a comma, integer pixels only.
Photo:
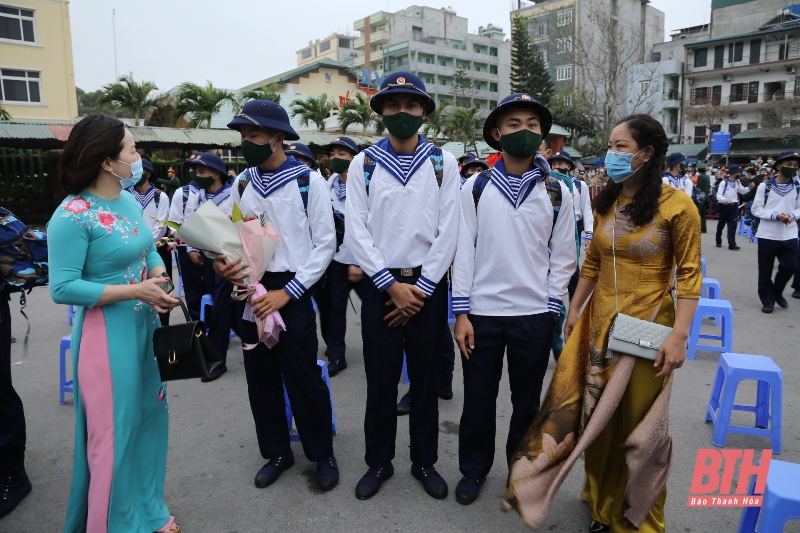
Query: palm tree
[
  {"x": 435, "y": 124},
  {"x": 313, "y": 109},
  {"x": 357, "y": 111},
  {"x": 380, "y": 127},
  {"x": 4, "y": 115},
  {"x": 461, "y": 125},
  {"x": 131, "y": 95},
  {"x": 200, "y": 103},
  {"x": 265, "y": 92}
]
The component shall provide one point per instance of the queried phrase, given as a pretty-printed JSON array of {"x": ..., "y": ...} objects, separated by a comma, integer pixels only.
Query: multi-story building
[
  {"x": 435, "y": 44},
  {"x": 37, "y": 77},
  {"x": 743, "y": 75},
  {"x": 313, "y": 79},
  {"x": 555, "y": 26},
  {"x": 337, "y": 47}
]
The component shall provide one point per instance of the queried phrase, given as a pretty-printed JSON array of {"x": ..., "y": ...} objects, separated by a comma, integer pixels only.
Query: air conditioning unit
[
  {"x": 790, "y": 70},
  {"x": 690, "y": 81},
  {"x": 732, "y": 115},
  {"x": 726, "y": 77}
]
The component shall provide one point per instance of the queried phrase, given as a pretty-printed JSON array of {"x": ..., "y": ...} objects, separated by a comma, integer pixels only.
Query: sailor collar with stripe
[
  {"x": 266, "y": 182},
  {"x": 782, "y": 189},
  {"x": 145, "y": 198},
  {"x": 675, "y": 181},
  {"x": 516, "y": 195},
  {"x": 218, "y": 197},
  {"x": 339, "y": 187},
  {"x": 383, "y": 153}
]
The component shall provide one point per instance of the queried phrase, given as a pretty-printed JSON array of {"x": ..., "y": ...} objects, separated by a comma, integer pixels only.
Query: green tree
[
  {"x": 265, "y": 92},
  {"x": 133, "y": 96},
  {"x": 4, "y": 115},
  {"x": 435, "y": 124},
  {"x": 89, "y": 102},
  {"x": 200, "y": 103},
  {"x": 313, "y": 109},
  {"x": 540, "y": 84},
  {"x": 461, "y": 126},
  {"x": 463, "y": 89},
  {"x": 380, "y": 127},
  {"x": 520, "y": 55},
  {"x": 357, "y": 111},
  {"x": 570, "y": 110}
]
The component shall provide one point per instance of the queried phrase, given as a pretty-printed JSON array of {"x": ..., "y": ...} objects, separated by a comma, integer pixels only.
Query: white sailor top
[
  {"x": 406, "y": 220},
  {"x": 308, "y": 239},
  {"x": 679, "y": 182},
  {"x": 198, "y": 197},
  {"x": 338, "y": 193},
  {"x": 727, "y": 191},
  {"x": 178, "y": 204},
  {"x": 153, "y": 212},
  {"x": 582, "y": 200},
  {"x": 502, "y": 266},
  {"x": 782, "y": 198}
]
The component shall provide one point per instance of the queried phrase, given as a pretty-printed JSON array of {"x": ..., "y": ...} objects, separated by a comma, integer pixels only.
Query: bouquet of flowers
[{"x": 238, "y": 237}]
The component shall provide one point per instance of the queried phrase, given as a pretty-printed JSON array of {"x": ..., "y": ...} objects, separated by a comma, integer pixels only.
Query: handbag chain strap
[{"x": 614, "y": 255}]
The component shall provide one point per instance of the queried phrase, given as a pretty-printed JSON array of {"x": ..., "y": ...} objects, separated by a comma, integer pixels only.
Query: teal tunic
[{"x": 94, "y": 242}]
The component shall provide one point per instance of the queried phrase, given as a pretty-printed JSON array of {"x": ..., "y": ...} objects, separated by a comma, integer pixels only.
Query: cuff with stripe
[
  {"x": 426, "y": 286},
  {"x": 773, "y": 216},
  {"x": 588, "y": 235},
  {"x": 554, "y": 306},
  {"x": 295, "y": 289},
  {"x": 460, "y": 305},
  {"x": 383, "y": 279}
]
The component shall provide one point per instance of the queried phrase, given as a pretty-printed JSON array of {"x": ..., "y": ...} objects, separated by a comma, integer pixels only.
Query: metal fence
[{"x": 26, "y": 181}]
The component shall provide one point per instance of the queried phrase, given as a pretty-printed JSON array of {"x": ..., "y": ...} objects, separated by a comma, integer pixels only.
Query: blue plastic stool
[
  {"x": 208, "y": 301},
  {"x": 289, "y": 416},
  {"x": 70, "y": 314},
  {"x": 707, "y": 308},
  {"x": 405, "y": 370},
  {"x": 64, "y": 385},
  {"x": 741, "y": 227},
  {"x": 781, "y": 501},
  {"x": 733, "y": 368},
  {"x": 711, "y": 289},
  {"x": 451, "y": 318},
  {"x": 703, "y": 266}
]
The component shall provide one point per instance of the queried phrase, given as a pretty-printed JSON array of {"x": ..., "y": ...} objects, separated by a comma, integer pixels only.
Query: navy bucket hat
[
  {"x": 674, "y": 158},
  {"x": 472, "y": 160},
  {"x": 402, "y": 83},
  {"x": 785, "y": 156},
  {"x": 521, "y": 99},
  {"x": 561, "y": 155},
  {"x": 147, "y": 165},
  {"x": 300, "y": 149},
  {"x": 209, "y": 160},
  {"x": 342, "y": 142},
  {"x": 264, "y": 114}
]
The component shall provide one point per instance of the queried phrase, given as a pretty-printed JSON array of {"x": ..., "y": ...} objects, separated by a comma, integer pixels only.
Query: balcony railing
[
  {"x": 792, "y": 52},
  {"x": 672, "y": 94},
  {"x": 671, "y": 128},
  {"x": 738, "y": 99}
]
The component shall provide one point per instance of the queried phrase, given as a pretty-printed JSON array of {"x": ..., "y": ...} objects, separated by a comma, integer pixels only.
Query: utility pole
[{"x": 114, "y": 29}]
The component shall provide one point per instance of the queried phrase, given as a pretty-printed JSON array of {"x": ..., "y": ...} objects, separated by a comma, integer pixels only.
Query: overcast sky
[{"x": 237, "y": 42}]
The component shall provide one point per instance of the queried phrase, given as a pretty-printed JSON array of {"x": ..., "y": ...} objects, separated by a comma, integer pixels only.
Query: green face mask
[
  {"x": 255, "y": 154},
  {"x": 203, "y": 183},
  {"x": 683, "y": 167},
  {"x": 339, "y": 165},
  {"x": 142, "y": 181},
  {"x": 560, "y": 173},
  {"x": 521, "y": 144},
  {"x": 788, "y": 172},
  {"x": 403, "y": 125}
]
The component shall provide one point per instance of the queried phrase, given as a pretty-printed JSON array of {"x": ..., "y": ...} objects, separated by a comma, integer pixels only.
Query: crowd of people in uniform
[{"x": 407, "y": 227}]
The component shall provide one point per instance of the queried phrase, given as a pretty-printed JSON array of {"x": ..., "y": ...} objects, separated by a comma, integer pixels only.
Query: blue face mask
[
  {"x": 618, "y": 165},
  {"x": 136, "y": 173}
]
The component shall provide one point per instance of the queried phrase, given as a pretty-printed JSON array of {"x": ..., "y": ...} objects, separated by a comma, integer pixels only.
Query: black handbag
[{"x": 183, "y": 351}]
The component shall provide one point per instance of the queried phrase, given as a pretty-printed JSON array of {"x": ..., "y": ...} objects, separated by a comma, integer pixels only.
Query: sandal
[{"x": 170, "y": 527}]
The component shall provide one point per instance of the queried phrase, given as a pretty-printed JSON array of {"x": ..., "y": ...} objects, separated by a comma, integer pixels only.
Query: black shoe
[
  {"x": 781, "y": 301},
  {"x": 446, "y": 389},
  {"x": 468, "y": 489},
  {"x": 13, "y": 339},
  {"x": 796, "y": 294},
  {"x": 369, "y": 485},
  {"x": 719, "y": 245},
  {"x": 216, "y": 374},
  {"x": 327, "y": 473},
  {"x": 334, "y": 367},
  {"x": 434, "y": 484},
  {"x": 597, "y": 527},
  {"x": 271, "y": 471},
  {"x": 734, "y": 248},
  {"x": 12, "y": 491},
  {"x": 768, "y": 308},
  {"x": 404, "y": 405}
]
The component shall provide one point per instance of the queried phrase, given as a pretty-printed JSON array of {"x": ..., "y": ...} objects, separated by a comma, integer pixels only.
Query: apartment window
[
  {"x": 306, "y": 53},
  {"x": 644, "y": 87},
  {"x": 442, "y": 62},
  {"x": 20, "y": 86},
  {"x": 493, "y": 51},
  {"x": 402, "y": 60},
  {"x": 755, "y": 52},
  {"x": 543, "y": 53},
  {"x": 428, "y": 79},
  {"x": 735, "y": 51},
  {"x": 416, "y": 33},
  {"x": 734, "y": 129},
  {"x": 429, "y": 60},
  {"x": 564, "y": 45},
  {"x": 493, "y": 87},
  {"x": 564, "y": 72},
  {"x": 568, "y": 100},
  {"x": 465, "y": 66},
  {"x": 17, "y": 24},
  {"x": 492, "y": 104},
  {"x": 700, "y": 57},
  {"x": 477, "y": 68},
  {"x": 716, "y": 95},
  {"x": 738, "y": 92},
  {"x": 699, "y": 134},
  {"x": 719, "y": 56},
  {"x": 542, "y": 29},
  {"x": 478, "y": 87},
  {"x": 324, "y": 47},
  {"x": 700, "y": 96},
  {"x": 442, "y": 82},
  {"x": 752, "y": 125},
  {"x": 492, "y": 69},
  {"x": 564, "y": 17},
  {"x": 344, "y": 43},
  {"x": 476, "y": 49}
]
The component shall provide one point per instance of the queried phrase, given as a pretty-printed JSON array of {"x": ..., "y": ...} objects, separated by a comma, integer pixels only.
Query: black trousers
[
  {"x": 526, "y": 340},
  {"x": 292, "y": 361},
  {"x": 727, "y": 216},
  {"x": 12, "y": 416},
  {"x": 448, "y": 356},
  {"x": 422, "y": 339},
  {"x": 166, "y": 256},
  {"x": 223, "y": 315},
  {"x": 331, "y": 297},
  {"x": 786, "y": 253},
  {"x": 573, "y": 283},
  {"x": 192, "y": 276},
  {"x": 796, "y": 281}
]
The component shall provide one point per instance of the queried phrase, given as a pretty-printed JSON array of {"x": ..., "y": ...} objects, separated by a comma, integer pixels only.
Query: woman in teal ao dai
[{"x": 102, "y": 259}]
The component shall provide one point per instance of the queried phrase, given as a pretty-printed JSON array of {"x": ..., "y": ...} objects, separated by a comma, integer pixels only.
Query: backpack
[
  {"x": 185, "y": 190},
  {"x": 437, "y": 160},
  {"x": 552, "y": 186},
  {"x": 23, "y": 254},
  {"x": 755, "y": 220},
  {"x": 698, "y": 196}
]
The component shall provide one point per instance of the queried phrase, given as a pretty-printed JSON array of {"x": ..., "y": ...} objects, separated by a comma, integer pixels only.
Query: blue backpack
[{"x": 23, "y": 254}]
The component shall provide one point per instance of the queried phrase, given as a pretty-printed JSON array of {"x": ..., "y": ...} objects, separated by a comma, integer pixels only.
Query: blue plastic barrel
[{"x": 720, "y": 142}]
